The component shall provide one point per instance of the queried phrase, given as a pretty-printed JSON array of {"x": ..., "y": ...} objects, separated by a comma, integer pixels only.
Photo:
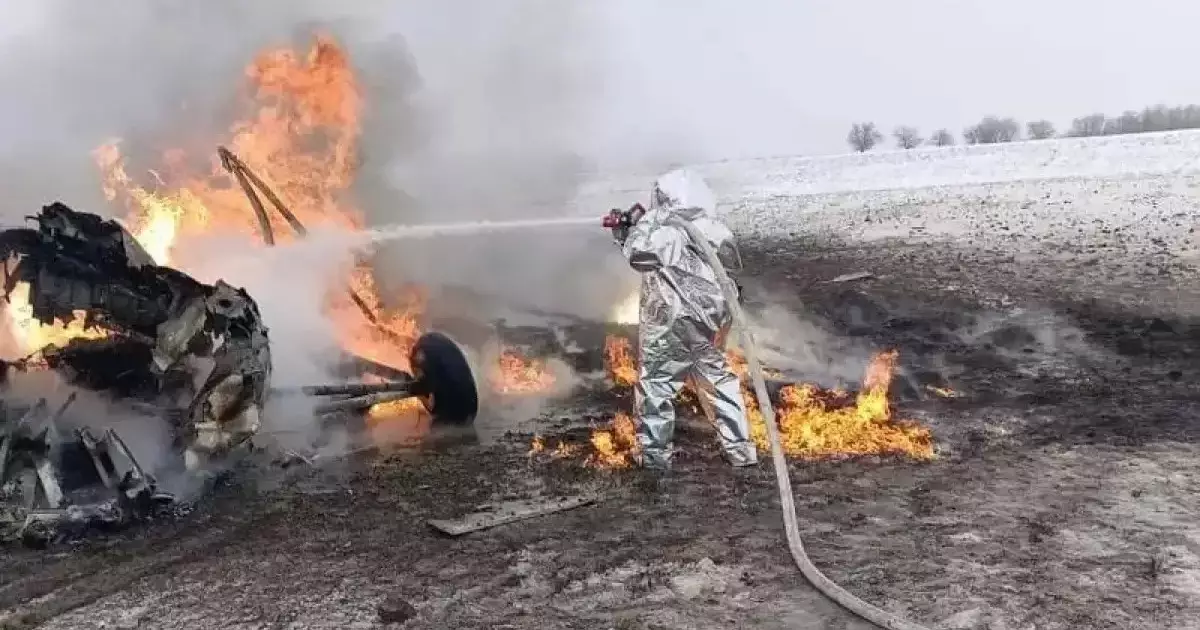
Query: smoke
[
  {"x": 507, "y": 101},
  {"x": 805, "y": 350},
  {"x": 147, "y": 436},
  {"x": 476, "y": 111},
  {"x": 290, "y": 282}
]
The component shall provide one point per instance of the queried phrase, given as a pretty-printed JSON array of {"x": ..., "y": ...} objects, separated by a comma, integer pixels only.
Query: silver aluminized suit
[{"x": 684, "y": 322}]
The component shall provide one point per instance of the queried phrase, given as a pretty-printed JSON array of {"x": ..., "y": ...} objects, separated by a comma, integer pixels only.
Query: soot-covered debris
[{"x": 193, "y": 354}]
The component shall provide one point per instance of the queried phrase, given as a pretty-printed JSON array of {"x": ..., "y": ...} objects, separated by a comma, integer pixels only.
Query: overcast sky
[
  {"x": 709, "y": 78},
  {"x": 779, "y": 76}
]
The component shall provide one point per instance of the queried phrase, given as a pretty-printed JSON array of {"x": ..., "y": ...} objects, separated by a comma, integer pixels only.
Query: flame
[
  {"x": 32, "y": 335},
  {"x": 515, "y": 374},
  {"x": 619, "y": 361},
  {"x": 562, "y": 451},
  {"x": 156, "y": 222},
  {"x": 616, "y": 446},
  {"x": 398, "y": 423},
  {"x": 816, "y": 423},
  {"x": 299, "y": 133},
  {"x": 300, "y": 136}
]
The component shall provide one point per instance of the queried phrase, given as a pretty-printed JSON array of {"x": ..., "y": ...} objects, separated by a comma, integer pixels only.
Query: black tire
[{"x": 442, "y": 370}]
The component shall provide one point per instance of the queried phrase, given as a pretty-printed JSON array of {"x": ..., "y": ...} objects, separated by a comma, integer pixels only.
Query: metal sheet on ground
[{"x": 508, "y": 512}]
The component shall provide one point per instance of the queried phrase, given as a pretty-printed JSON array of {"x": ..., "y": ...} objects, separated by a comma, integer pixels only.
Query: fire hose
[{"x": 826, "y": 586}]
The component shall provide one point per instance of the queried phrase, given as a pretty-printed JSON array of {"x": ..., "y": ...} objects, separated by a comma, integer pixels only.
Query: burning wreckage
[{"x": 195, "y": 355}]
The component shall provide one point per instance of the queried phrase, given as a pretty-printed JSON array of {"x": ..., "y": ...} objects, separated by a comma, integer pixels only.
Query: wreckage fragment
[
  {"x": 196, "y": 354},
  {"x": 48, "y": 484},
  {"x": 441, "y": 378},
  {"x": 200, "y": 351}
]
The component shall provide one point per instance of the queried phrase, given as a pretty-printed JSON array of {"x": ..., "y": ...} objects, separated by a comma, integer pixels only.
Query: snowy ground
[
  {"x": 1097, "y": 158},
  {"x": 1053, "y": 287}
]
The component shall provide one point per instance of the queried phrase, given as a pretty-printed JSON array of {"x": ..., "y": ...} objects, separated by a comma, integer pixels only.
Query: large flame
[{"x": 300, "y": 135}]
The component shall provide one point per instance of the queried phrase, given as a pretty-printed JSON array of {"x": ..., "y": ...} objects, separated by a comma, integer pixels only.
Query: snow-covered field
[
  {"x": 1174, "y": 152},
  {"x": 1051, "y": 188}
]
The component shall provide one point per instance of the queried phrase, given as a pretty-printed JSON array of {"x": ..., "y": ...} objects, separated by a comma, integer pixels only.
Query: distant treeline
[{"x": 994, "y": 129}]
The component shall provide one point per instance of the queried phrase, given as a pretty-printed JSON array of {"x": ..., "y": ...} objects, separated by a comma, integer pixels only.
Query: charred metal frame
[{"x": 34, "y": 460}]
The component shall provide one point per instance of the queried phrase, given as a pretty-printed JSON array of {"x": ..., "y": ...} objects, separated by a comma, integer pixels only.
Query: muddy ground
[{"x": 1065, "y": 492}]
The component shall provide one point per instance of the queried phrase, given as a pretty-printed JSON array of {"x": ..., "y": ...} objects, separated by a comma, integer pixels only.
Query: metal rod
[
  {"x": 230, "y": 159},
  {"x": 245, "y": 176},
  {"x": 350, "y": 389},
  {"x": 354, "y": 366},
  {"x": 238, "y": 170},
  {"x": 360, "y": 403}
]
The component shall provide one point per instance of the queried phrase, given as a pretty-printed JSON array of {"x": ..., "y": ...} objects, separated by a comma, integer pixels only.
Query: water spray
[
  {"x": 615, "y": 219},
  {"x": 466, "y": 228}
]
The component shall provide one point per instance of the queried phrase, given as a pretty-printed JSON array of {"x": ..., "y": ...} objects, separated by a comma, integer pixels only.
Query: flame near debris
[
  {"x": 30, "y": 335},
  {"x": 562, "y": 451},
  {"x": 612, "y": 448},
  {"x": 515, "y": 374},
  {"x": 619, "y": 361},
  {"x": 300, "y": 134}
]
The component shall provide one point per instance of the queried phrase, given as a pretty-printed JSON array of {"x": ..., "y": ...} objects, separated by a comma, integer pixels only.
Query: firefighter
[{"x": 684, "y": 319}]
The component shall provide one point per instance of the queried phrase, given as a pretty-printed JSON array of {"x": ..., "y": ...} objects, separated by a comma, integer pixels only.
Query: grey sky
[
  {"x": 701, "y": 79},
  {"x": 773, "y": 76}
]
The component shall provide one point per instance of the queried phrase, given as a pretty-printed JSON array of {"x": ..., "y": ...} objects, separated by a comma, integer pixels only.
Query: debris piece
[
  {"x": 137, "y": 329},
  {"x": 509, "y": 512},
  {"x": 353, "y": 389},
  {"x": 851, "y": 277},
  {"x": 48, "y": 480},
  {"x": 359, "y": 403},
  {"x": 396, "y": 610}
]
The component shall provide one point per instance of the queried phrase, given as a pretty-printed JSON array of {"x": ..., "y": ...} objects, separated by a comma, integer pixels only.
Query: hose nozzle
[{"x": 616, "y": 219}]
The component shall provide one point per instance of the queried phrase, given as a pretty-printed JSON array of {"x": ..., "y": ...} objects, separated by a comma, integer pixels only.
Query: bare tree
[
  {"x": 942, "y": 138},
  {"x": 1040, "y": 129},
  {"x": 992, "y": 130},
  {"x": 1129, "y": 122},
  {"x": 863, "y": 137},
  {"x": 1088, "y": 126},
  {"x": 907, "y": 137}
]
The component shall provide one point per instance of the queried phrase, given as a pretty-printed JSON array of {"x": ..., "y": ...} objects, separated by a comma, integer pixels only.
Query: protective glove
[{"x": 620, "y": 232}]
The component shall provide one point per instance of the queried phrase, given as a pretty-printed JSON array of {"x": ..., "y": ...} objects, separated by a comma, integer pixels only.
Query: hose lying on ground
[{"x": 829, "y": 588}]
